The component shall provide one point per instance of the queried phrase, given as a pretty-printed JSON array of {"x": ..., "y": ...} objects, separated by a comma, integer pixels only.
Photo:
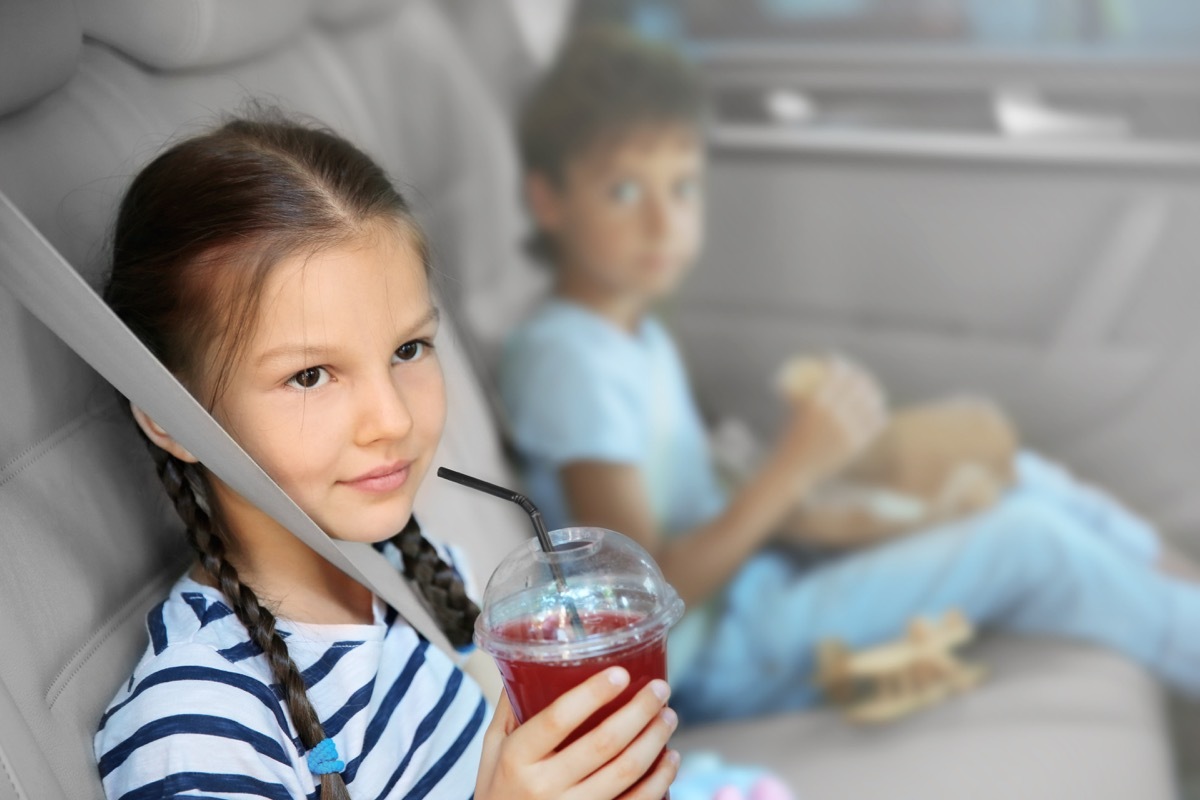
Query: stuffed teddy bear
[{"x": 932, "y": 463}]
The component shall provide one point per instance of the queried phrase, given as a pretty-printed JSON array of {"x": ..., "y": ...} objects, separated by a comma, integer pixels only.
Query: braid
[
  {"x": 439, "y": 584},
  {"x": 203, "y": 534}
]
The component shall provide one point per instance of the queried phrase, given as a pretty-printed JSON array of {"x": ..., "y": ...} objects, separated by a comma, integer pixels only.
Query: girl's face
[{"x": 338, "y": 393}]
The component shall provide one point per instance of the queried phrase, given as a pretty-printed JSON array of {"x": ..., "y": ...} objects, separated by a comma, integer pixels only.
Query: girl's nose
[{"x": 383, "y": 412}]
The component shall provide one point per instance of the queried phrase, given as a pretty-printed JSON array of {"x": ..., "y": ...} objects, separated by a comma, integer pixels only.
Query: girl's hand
[
  {"x": 833, "y": 420},
  {"x": 621, "y": 759}
]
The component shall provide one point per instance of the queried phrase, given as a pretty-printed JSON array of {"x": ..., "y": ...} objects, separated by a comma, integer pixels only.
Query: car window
[{"x": 1088, "y": 27}]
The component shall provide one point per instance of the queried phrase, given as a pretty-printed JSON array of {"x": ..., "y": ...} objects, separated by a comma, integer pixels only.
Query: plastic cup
[{"x": 621, "y": 596}]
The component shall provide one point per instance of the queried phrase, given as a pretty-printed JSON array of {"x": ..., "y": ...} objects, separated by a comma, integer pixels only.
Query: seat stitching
[
  {"x": 32, "y": 454},
  {"x": 81, "y": 655},
  {"x": 12, "y": 779}
]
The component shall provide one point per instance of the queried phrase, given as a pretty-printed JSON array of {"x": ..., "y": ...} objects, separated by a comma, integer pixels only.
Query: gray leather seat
[{"x": 89, "y": 93}]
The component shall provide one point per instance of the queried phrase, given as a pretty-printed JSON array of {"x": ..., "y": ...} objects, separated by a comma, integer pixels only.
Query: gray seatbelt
[{"x": 42, "y": 280}]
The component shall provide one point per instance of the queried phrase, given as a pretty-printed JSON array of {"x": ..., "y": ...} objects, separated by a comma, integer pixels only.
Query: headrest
[
  {"x": 338, "y": 14},
  {"x": 543, "y": 26},
  {"x": 183, "y": 34},
  {"x": 40, "y": 42}
]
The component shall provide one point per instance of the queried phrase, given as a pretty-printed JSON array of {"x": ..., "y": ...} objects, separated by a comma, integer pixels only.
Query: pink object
[
  {"x": 769, "y": 788},
  {"x": 766, "y": 788}
]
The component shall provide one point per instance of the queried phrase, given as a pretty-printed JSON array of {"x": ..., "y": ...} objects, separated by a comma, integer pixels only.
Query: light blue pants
[{"x": 1053, "y": 557}]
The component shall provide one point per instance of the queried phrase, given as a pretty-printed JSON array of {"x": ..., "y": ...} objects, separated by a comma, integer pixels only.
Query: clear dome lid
[{"x": 604, "y": 580}]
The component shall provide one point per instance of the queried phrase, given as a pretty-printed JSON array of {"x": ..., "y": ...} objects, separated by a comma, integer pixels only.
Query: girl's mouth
[{"x": 383, "y": 479}]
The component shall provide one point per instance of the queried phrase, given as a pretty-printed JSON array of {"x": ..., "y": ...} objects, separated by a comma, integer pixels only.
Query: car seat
[{"x": 89, "y": 91}]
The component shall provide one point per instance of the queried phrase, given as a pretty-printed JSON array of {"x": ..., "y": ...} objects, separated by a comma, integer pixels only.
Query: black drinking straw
[{"x": 539, "y": 527}]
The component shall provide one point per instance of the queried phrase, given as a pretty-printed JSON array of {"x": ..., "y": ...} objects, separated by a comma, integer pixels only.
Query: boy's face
[{"x": 627, "y": 217}]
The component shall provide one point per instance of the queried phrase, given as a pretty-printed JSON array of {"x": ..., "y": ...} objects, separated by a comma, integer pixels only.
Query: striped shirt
[{"x": 201, "y": 717}]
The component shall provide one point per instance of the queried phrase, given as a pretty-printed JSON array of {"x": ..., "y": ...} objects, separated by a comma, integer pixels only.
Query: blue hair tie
[{"x": 323, "y": 758}]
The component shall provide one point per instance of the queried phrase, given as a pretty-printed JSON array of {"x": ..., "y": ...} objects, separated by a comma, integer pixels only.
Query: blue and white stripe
[{"x": 202, "y": 718}]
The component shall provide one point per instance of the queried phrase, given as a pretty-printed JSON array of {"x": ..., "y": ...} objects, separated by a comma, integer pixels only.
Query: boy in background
[
  {"x": 609, "y": 434},
  {"x": 597, "y": 394}
]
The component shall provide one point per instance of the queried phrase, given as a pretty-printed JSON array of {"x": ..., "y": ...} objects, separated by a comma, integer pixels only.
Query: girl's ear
[
  {"x": 157, "y": 434},
  {"x": 544, "y": 201}
]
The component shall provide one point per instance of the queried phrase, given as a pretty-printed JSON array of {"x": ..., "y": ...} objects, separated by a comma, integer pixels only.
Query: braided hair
[
  {"x": 203, "y": 535},
  {"x": 240, "y": 199},
  {"x": 439, "y": 583}
]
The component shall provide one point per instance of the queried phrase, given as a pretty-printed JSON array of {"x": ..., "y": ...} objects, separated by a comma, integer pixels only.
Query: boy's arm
[
  {"x": 823, "y": 433},
  {"x": 702, "y": 560}
]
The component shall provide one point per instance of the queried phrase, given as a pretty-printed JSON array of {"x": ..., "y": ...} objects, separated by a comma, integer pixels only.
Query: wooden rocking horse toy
[{"x": 890, "y": 680}]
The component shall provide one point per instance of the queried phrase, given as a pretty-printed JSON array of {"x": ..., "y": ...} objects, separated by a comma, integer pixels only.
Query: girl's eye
[
  {"x": 310, "y": 378},
  {"x": 626, "y": 193},
  {"x": 410, "y": 351}
]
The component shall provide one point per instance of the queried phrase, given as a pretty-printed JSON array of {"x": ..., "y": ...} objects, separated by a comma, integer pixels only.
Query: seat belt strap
[{"x": 42, "y": 280}]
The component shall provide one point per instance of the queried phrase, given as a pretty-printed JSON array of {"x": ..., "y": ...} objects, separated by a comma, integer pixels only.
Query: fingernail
[
  {"x": 617, "y": 676},
  {"x": 660, "y": 688},
  {"x": 673, "y": 757},
  {"x": 670, "y": 717}
]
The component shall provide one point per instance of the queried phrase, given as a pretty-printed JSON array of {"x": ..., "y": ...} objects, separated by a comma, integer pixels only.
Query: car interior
[{"x": 1020, "y": 223}]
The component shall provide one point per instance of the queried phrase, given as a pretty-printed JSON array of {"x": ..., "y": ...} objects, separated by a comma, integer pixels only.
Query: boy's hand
[
  {"x": 836, "y": 412},
  {"x": 621, "y": 759}
]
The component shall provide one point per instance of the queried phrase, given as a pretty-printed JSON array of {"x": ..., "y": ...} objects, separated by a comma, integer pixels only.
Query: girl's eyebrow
[
  {"x": 433, "y": 314},
  {"x": 308, "y": 351}
]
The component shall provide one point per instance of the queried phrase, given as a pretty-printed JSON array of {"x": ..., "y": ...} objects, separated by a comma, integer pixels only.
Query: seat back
[{"x": 88, "y": 94}]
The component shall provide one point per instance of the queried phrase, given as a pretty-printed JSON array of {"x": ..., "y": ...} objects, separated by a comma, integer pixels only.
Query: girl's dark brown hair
[{"x": 196, "y": 235}]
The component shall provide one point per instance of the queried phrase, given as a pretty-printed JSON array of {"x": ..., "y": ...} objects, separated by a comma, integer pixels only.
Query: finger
[
  {"x": 856, "y": 381},
  {"x": 504, "y": 721},
  {"x": 860, "y": 404},
  {"x": 854, "y": 416},
  {"x": 860, "y": 426},
  {"x": 836, "y": 372},
  {"x": 504, "y": 718},
  {"x": 829, "y": 403},
  {"x": 635, "y": 762},
  {"x": 613, "y": 736},
  {"x": 851, "y": 385},
  {"x": 655, "y": 784},
  {"x": 865, "y": 410},
  {"x": 546, "y": 730}
]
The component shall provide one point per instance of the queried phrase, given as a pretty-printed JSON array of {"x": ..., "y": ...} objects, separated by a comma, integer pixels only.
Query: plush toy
[{"x": 932, "y": 463}]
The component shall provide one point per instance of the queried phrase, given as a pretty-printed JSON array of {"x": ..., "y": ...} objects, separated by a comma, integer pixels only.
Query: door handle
[{"x": 1024, "y": 113}]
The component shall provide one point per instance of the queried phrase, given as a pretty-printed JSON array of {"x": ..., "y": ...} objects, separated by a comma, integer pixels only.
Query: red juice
[{"x": 534, "y": 685}]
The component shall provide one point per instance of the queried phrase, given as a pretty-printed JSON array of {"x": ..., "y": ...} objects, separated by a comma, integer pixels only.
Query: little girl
[{"x": 276, "y": 271}]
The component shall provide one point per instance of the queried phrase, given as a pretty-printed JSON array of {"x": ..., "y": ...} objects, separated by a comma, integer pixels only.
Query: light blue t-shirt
[{"x": 578, "y": 388}]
